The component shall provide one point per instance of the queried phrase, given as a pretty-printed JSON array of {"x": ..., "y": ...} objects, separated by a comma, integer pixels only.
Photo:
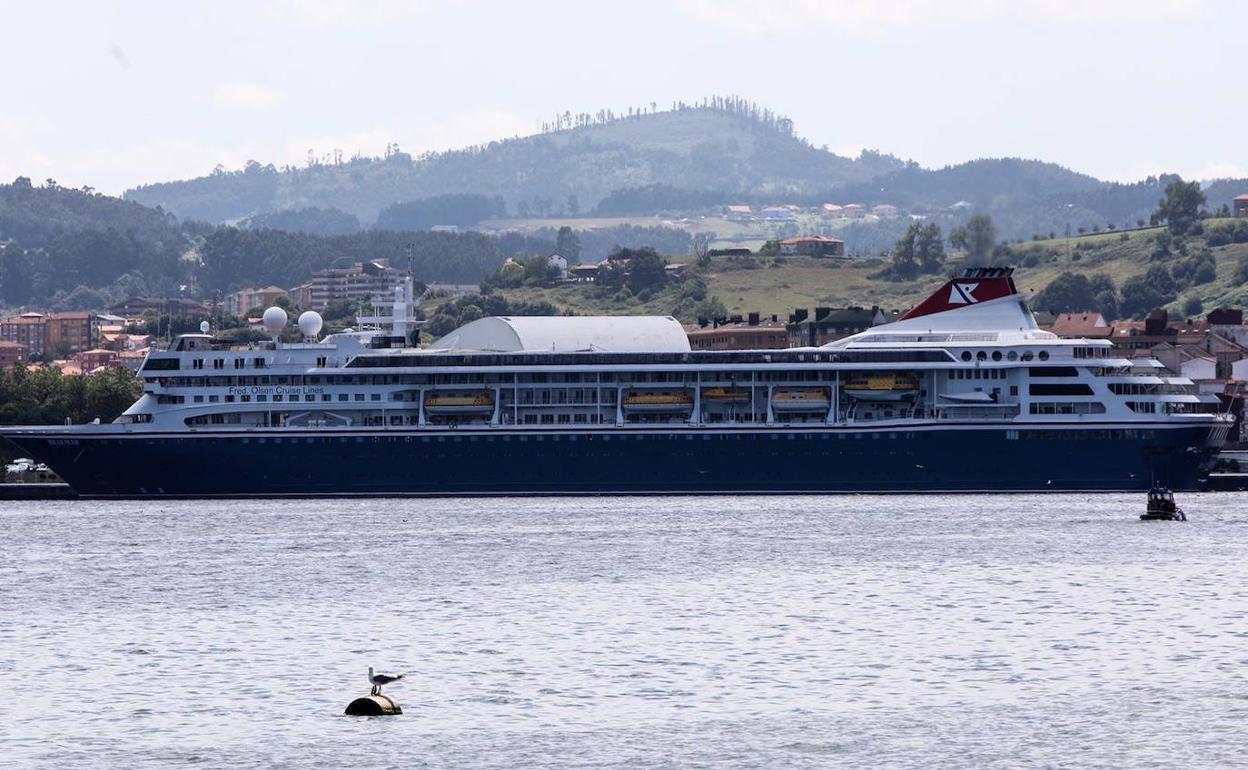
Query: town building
[
  {"x": 362, "y": 280},
  {"x": 27, "y": 330},
  {"x": 832, "y": 211},
  {"x": 813, "y": 246},
  {"x": 885, "y": 211},
  {"x": 50, "y": 333},
  {"x": 831, "y": 324},
  {"x": 301, "y": 295},
  {"x": 1092, "y": 326},
  {"x": 559, "y": 262},
  {"x": 1241, "y": 205},
  {"x": 12, "y": 353},
  {"x": 89, "y": 361},
  {"x": 243, "y": 302},
  {"x": 70, "y": 332},
  {"x": 737, "y": 333},
  {"x": 1188, "y": 361},
  {"x": 778, "y": 214},
  {"x": 738, "y": 213},
  {"x": 853, "y": 211}
]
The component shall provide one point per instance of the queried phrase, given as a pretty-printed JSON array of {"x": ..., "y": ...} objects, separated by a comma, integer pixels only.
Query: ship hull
[{"x": 497, "y": 461}]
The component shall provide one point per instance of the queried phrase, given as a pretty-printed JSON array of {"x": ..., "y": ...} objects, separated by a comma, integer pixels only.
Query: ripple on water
[{"x": 642, "y": 632}]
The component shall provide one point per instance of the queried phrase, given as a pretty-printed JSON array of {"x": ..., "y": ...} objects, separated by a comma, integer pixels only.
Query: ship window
[
  {"x": 996, "y": 355},
  {"x": 966, "y": 355},
  {"x": 1012, "y": 355},
  {"x": 213, "y": 399},
  {"x": 342, "y": 396},
  {"x": 229, "y": 399},
  {"x": 1044, "y": 355},
  {"x": 325, "y": 397},
  {"x": 197, "y": 363},
  {"x": 199, "y": 399},
  {"x": 239, "y": 363},
  {"x": 359, "y": 396},
  {"x": 246, "y": 398},
  {"x": 1053, "y": 371},
  {"x": 1060, "y": 389},
  {"x": 262, "y": 398},
  {"x": 375, "y": 397},
  {"x": 1027, "y": 356},
  {"x": 981, "y": 356},
  {"x": 278, "y": 397},
  {"x": 294, "y": 396}
]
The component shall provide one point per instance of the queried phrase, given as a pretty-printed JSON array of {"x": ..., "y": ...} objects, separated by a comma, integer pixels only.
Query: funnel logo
[{"x": 963, "y": 294}]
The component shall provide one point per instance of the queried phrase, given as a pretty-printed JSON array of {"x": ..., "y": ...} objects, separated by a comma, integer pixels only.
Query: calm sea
[{"x": 951, "y": 632}]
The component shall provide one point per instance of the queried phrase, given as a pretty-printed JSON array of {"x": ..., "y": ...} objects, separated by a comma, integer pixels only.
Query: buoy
[{"x": 373, "y": 706}]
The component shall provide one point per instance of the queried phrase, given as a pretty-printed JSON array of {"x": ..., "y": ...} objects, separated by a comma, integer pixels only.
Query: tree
[
  {"x": 1181, "y": 207},
  {"x": 646, "y": 269},
  {"x": 1142, "y": 294},
  {"x": 905, "y": 264},
  {"x": 568, "y": 244},
  {"x": 16, "y": 282},
  {"x": 1067, "y": 293},
  {"x": 929, "y": 247},
  {"x": 977, "y": 238}
]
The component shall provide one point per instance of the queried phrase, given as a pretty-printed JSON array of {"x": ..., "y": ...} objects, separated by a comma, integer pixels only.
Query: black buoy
[{"x": 373, "y": 706}]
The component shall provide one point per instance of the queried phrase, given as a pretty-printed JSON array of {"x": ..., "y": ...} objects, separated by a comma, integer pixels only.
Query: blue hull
[{"x": 286, "y": 462}]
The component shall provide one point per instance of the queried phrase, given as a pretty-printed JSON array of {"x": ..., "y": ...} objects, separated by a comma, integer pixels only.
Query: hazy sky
[{"x": 116, "y": 94}]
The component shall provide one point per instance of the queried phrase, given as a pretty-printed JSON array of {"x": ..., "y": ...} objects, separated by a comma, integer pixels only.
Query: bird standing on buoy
[{"x": 377, "y": 680}]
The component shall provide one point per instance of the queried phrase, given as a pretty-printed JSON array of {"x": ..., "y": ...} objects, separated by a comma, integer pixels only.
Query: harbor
[{"x": 735, "y": 632}]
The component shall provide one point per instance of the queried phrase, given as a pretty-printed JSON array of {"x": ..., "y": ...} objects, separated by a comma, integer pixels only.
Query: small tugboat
[{"x": 1161, "y": 506}]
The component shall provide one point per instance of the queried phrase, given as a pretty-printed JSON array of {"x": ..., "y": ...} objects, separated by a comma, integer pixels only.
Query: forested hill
[{"x": 727, "y": 145}]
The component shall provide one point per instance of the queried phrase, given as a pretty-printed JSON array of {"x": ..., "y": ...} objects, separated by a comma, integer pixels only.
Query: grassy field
[{"x": 779, "y": 286}]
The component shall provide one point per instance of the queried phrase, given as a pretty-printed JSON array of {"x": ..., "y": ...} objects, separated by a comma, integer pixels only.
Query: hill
[
  {"x": 723, "y": 145},
  {"x": 778, "y": 285}
]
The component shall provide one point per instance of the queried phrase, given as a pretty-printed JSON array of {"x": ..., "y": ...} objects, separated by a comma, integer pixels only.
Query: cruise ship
[{"x": 962, "y": 393}]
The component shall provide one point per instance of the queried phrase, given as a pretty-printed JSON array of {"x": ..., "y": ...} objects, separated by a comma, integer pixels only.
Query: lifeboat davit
[
  {"x": 459, "y": 403},
  {"x": 882, "y": 387},
  {"x": 801, "y": 400}
]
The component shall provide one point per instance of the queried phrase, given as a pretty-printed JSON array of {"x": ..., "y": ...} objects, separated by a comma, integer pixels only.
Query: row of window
[
  {"x": 1012, "y": 355},
  {"x": 1057, "y": 407}
]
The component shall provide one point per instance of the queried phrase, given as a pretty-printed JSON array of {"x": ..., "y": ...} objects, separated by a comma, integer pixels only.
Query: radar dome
[
  {"x": 274, "y": 320},
  {"x": 204, "y": 327},
  {"x": 310, "y": 323}
]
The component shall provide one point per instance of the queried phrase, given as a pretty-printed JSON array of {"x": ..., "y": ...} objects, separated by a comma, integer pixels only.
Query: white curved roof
[{"x": 611, "y": 334}]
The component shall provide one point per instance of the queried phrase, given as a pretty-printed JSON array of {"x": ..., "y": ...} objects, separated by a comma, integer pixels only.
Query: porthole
[
  {"x": 1027, "y": 356},
  {"x": 996, "y": 355},
  {"x": 966, "y": 355},
  {"x": 1012, "y": 355},
  {"x": 981, "y": 356},
  {"x": 1044, "y": 355}
]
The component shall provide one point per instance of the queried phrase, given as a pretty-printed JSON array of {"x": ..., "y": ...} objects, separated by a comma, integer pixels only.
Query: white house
[{"x": 560, "y": 262}]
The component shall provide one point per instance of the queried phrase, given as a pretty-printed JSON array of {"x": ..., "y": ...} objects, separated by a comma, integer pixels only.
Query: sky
[{"x": 112, "y": 95}]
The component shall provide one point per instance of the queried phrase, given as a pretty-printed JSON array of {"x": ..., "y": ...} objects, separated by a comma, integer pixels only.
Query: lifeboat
[
  {"x": 459, "y": 403},
  {"x": 658, "y": 401},
  {"x": 882, "y": 387},
  {"x": 801, "y": 400},
  {"x": 726, "y": 395}
]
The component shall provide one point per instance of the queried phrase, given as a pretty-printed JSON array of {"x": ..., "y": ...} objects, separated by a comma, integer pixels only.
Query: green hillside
[
  {"x": 778, "y": 286},
  {"x": 730, "y": 147}
]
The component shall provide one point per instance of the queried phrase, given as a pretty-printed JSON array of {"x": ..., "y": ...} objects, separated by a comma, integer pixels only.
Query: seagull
[{"x": 377, "y": 680}]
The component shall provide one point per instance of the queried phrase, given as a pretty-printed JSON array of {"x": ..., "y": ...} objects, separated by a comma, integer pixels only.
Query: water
[{"x": 963, "y": 632}]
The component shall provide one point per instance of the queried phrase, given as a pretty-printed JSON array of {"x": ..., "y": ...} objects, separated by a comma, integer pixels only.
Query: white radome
[
  {"x": 274, "y": 320},
  {"x": 204, "y": 327},
  {"x": 310, "y": 323}
]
